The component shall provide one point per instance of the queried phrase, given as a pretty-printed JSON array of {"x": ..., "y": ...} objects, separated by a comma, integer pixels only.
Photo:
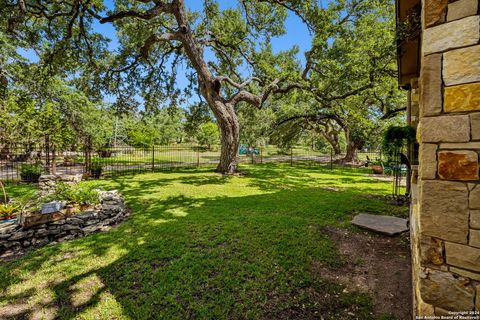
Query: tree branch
[
  {"x": 238, "y": 85},
  {"x": 156, "y": 38},
  {"x": 145, "y": 15},
  {"x": 253, "y": 99},
  {"x": 312, "y": 117},
  {"x": 391, "y": 113}
]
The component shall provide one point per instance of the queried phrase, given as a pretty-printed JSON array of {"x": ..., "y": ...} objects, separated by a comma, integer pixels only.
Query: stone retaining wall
[
  {"x": 47, "y": 183},
  {"x": 15, "y": 239},
  {"x": 445, "y": 213}
]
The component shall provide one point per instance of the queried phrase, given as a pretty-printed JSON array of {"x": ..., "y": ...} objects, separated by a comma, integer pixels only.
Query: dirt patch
[{"x": 376, "y": 264}]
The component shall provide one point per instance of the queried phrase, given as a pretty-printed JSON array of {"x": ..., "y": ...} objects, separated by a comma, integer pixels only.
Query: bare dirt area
[{"x": 376, "y": 264}]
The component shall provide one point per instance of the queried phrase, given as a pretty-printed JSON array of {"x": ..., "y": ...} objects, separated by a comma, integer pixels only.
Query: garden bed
[{"x": 37, "y": 230}]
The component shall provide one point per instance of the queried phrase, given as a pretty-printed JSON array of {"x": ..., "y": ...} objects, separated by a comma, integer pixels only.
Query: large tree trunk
[
  {"x": 352, "y": 146},
  {"x": 351, "y": 156},
  {"x": 229, "y": 126},
  {"x": 333, "y": 140},
  {"x": 230, "y": 138}
]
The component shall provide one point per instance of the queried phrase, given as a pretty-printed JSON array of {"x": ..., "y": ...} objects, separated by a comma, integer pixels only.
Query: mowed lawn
[{"x": 203, "y": 246}]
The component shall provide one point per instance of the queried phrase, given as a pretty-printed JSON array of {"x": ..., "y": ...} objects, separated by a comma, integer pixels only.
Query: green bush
[
  {"x": 95, "y": 166},
  {"x": 30, "y": 169},
  {"x": 82, "y": 194}
]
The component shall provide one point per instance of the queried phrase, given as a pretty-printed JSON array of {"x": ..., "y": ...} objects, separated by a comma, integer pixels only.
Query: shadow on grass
[{"x": 197, "y": 257}]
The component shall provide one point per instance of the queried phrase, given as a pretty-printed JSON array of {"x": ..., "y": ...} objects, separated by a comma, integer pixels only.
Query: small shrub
[
  {"x": 75, "y": 194},
  {"x": 8, "y": 210},
  {"x": 84, "y": 195},
  {"x": 96, "y": 169},
  {"x": 30, "y": 172},
  {"x": 96, "y": 166}
]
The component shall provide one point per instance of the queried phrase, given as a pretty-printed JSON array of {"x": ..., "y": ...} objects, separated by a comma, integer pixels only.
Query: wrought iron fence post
[
  {"x": 261, "y": 155},
  {"x": 291, "y": 156},
  {"x": 198, "y": 156},
  {"x": 153, "y": 157},
  {"x": 331, "y": 159}
]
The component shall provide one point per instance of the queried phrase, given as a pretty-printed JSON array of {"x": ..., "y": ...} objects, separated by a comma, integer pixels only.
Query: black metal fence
[{"x": 19, "y": 161}]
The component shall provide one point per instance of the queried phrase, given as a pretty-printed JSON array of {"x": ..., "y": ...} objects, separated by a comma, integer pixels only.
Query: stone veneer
[
  {"x": 445, "y": 210},
  {"x": 15, "y": 239}
]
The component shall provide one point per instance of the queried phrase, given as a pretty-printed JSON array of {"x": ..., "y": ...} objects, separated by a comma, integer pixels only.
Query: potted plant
[
  {"x": 8, "y": 211},
  {"x": 68, "y": 161},
  {"x": 30, "y": 172},
  {"x": 96, "y": 170},
  {"x": 377, "y": 167}
]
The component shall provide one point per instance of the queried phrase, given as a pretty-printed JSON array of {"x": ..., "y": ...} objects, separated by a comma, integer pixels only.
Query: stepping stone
[{"x": 382, "y": 224}]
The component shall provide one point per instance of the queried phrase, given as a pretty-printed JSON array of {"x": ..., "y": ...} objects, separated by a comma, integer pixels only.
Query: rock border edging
[{"x": 15, "y": 239}]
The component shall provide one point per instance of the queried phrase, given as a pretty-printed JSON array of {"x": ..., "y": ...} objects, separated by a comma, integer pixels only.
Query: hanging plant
[
  {"x": 411, "y": 27},
  {"x": 396, "y": 138}
]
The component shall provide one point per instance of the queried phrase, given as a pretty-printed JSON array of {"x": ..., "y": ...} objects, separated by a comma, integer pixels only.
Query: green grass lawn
[
  {"x": 18, "y": 190},
  {"x": 204, "y": 246}
]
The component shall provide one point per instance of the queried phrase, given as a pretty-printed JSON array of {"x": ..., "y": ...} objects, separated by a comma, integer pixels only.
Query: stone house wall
[{"x": 445, "y": 210}]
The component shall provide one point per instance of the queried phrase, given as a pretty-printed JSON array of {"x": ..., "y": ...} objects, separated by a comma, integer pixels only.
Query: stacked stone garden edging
[
  {"x": 47, "y": 183},
  {"x": 14, "y": 239}
]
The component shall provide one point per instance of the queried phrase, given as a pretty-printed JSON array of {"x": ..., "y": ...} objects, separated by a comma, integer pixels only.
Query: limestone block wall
[{"x": 445, "y": 213}]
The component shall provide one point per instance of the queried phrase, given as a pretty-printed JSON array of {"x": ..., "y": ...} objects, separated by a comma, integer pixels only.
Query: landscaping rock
[
  {"x": 47, "y": 183},
  {"x": 54, "y": 231},
  {"x": 382, "y": 224},
  {"x": 4, "y": 236},
  {"x": 14, "y": 239},
  {"x": 66, "y": 238},
  {"x": 20, "y": 235},
  {"x": 91, "y": 229},
  {"x": 74, "y": 221},
  {"x": 91, "y": 222},
  {"x": 40, "y": 242},
  {"x": 70, "y": 227},
  {"x": 41, "y": 233},
  {"x": 111, "y": 208},
  {"x": 8, "y": 227}
]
